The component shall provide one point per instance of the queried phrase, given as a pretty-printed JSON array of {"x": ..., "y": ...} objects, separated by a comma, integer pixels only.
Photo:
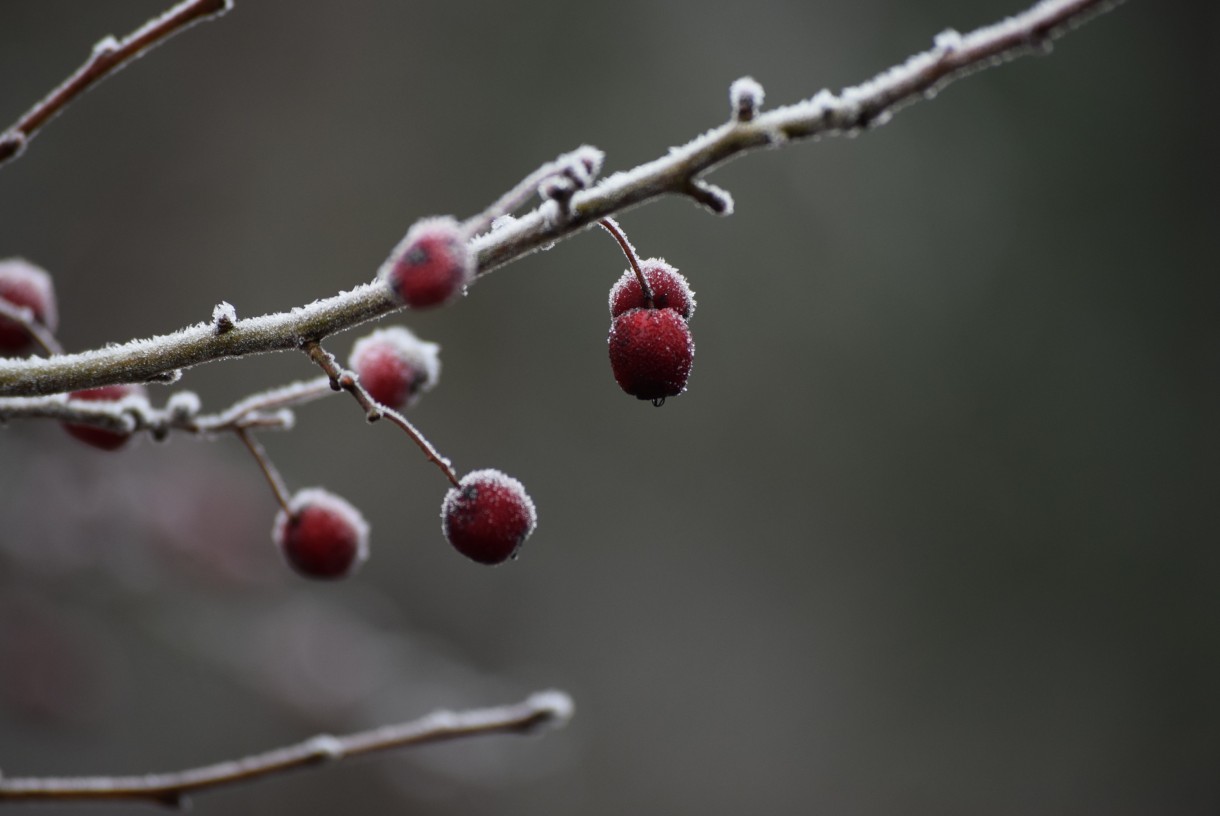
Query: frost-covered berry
[
  {"x": 670, "y": 290},
  {"x": 395, "y": 366},
  {"x": 488, "y": 516},
  {"x": 651, "y": 352},
  {"x": 432, "y": 265},
  {"x": 323, "y": 537},
  {"x": 24, "y": 285},
  {"x": 100, "y": 437}
]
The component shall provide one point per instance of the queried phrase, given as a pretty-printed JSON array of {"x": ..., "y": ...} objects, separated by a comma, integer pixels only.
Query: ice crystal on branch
[{"x": 745, "y": 99}]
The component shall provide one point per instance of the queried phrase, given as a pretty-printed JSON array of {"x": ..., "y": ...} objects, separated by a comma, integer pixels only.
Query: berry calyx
[
  {"x": 432, "y": 265},
  {"x": 670, "y": 290},
  {"x": 321, "y": 535},
  {"x": 25, "y": 286},
  {"x": 488, "y": 516},
  {"x": 395, "y": 366},
  {"x": 651, "y": 352},
  {"x": 102, "y": 438}
]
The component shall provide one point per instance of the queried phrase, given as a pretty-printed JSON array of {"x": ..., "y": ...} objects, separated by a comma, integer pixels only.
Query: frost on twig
[
  {"x": 539, "y": 711},
  {"x": 182, "y": 411},
  {"x": 224, "y": 317},
  {"x": 745, "y": 99},
  {"x": 678, "y": 172},
  {"x": 563, "y": 177}
]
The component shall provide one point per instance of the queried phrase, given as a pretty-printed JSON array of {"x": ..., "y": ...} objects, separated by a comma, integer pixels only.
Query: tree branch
[
  {"x": 340, "y": 378},
  {"x": 109, "y": 55},
  {"x": 677, "y": 173},
  {"x": 548, "y": 708},
  {"x": 263, "y": 410}
]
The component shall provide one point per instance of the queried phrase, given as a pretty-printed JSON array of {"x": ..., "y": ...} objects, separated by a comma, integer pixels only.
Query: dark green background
[{"x": 933, "y": 531}]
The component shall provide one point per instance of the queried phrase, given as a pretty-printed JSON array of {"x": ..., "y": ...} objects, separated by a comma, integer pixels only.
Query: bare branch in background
[
  {"x": 548, "y": 708},
  {"x": 109, "y": 55}
]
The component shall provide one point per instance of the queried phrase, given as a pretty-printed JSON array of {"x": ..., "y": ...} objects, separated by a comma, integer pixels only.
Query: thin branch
[
  {"x": 548, "y": 708},
  {"x": 263, "y": 410},
  {"x": 676, "y": 173},
  {"x": 109, "y": 55},
  {"x": 272, "y": 474},
  {"x": 341, "y": 378}
]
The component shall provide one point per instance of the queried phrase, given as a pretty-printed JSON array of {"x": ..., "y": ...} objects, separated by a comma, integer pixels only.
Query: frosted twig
[
  {"x": 576, "y": 170},
  {"x": 676, "y": 173},
  {"x": 548, "y": 708},
  {"x": 108, "y": 56},
  {"x": 341, "y": 378},
  {"x": 264, "y": 410}
]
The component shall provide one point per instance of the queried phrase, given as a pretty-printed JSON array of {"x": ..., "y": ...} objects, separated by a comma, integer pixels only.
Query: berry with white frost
[
  {"x": 323, "y": 536},
  {"x": 432, "y": 265},
  {"x": 488, "y": 516},
  {"x": 395, "y": 366}
]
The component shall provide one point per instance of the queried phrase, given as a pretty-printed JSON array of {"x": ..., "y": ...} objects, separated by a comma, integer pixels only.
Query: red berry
[
  {"x": 100, "y": 437},
  {"x": 488, "y": 516},
  {"x": 324, "y": 537},
  {"x": 24, "y": 285},
  {"x": 670, "y": 290},
  {"x": 432, "y": 265},
  {"x": 395, "y": 366},
  {"x": 651, "y": 351}
]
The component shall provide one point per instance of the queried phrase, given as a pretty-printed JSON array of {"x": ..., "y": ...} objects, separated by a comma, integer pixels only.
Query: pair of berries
[
  {"x": 651, "y": 348},
  {"x": 486, "y": 518}
]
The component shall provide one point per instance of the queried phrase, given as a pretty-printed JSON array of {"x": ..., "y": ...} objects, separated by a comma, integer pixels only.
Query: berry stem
[
  {"x": 430, "y": 452},
  {"x": 342, "y": 379},
  {"x": 611, "y": 226},
  {"x": 264, "y": 462}
]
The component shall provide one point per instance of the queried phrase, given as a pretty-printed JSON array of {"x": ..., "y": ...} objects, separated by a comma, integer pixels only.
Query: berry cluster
[
  {"x": 486, "y": 515},
  {"x": 651, "y": 348}
]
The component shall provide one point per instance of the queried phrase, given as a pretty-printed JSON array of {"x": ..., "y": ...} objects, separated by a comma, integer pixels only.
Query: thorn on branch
[
  {"x": 224, "y": 317},
  {"x": 559, "y": 190},
  {"x": 745, "y": 99},
  {"x": 165, "y": 377},
  {"x": 12, "y": 144},
  {"x": 716, "y": 199}
]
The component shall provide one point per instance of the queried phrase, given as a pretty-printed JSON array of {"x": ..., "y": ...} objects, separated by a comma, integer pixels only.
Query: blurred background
[{"x": 934, "y": 529}]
